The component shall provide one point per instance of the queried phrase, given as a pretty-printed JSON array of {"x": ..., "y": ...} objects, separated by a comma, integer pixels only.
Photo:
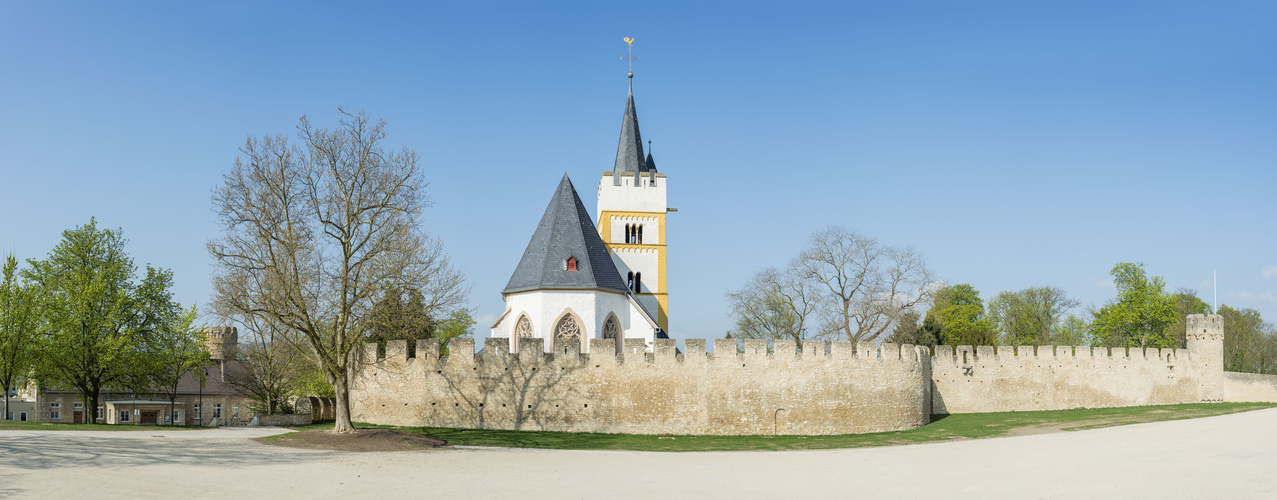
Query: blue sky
[{"x": 1014, "y": 144}]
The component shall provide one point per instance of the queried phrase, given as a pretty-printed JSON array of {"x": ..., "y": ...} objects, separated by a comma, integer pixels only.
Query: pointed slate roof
[
  {"x": 565, "y": 230},
  {"x": 651, "y": 165},
  {"x": 629, "y": 150}
]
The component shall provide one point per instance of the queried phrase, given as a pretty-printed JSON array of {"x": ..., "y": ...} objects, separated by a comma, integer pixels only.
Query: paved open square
[{"x": 1230, "y": 456}]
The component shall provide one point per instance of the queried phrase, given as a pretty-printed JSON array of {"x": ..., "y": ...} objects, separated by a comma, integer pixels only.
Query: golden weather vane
[{"x": 630, "y": 58}]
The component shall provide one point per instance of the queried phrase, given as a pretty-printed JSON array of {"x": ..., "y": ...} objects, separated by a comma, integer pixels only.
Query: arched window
[
  {"x": 629, "y": 280},
  {"x": 571, "y": 263},
  {"x": 638, "y": 282},
  {"x": 523, "y": 329},
  {"x": 567, "y": 328},
  {"x": 639, "y": 237},
  {"x": 611, "y": 328},
  {"x": 629, "y": 233}
]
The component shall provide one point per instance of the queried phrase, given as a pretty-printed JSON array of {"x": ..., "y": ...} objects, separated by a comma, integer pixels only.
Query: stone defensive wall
[
  {"x": 1060, "y": 377},
  {"x": 1026, "y": 378},
  {"x": 827, "y": 388}
]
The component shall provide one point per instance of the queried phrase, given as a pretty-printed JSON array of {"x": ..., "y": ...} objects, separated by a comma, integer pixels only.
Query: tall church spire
[{"x": 629, "y": 150}]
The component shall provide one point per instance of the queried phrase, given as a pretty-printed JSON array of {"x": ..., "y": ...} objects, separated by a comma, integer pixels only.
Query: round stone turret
[{"x": 222, "y": 341}]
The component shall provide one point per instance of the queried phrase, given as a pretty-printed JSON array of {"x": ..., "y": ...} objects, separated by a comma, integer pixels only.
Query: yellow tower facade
[{"x": 632, "y": 206}]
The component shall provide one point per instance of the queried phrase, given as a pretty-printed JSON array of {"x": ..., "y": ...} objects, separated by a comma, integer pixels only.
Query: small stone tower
[
  {"x": 1204, "y": 337},
  {"x": 222, "y": 342}
]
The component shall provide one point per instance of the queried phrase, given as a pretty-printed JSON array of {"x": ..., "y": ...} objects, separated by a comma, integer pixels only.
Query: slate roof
[
  {"x": 629, "y": 151},
  {"x": 651, "y": 165},
  {"x": 565, "y": 230}
]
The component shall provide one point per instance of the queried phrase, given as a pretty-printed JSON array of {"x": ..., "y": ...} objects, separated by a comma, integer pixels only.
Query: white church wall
[
  {"x": 651, "y": 228},
  {"x": 628, "y": 198},
  {"x": 545, "y": 308},
  {"x": 642, "y": 260}
]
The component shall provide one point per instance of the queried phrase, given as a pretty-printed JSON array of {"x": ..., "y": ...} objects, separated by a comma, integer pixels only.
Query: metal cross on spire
[{"x": 631, "y": 57}]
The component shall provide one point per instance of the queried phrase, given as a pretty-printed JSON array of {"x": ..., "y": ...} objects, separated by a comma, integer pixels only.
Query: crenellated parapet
[
  {"x": 1006, "y": 378},
  {"x": 750, "y": 387}
]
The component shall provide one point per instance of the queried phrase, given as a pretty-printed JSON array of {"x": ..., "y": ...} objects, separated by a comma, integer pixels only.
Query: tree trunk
[
  {"x": 5, "y": 416},
  {"x": 342, "y": 388},
  {"x": 93, "y": 404}
]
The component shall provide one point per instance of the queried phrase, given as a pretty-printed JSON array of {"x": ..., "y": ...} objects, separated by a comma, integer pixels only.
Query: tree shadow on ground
[{"x": 36, "y": 452}]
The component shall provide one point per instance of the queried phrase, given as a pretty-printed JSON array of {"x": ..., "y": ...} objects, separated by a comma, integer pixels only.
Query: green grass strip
[{"x": 942, "y": 428}]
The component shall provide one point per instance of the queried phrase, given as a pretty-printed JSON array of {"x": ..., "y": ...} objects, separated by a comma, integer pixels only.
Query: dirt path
[{"x": 1230, "y": 456}]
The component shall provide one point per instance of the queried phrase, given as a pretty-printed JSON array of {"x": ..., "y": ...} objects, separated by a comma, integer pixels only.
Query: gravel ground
[{"x": 1229, "y": 456}]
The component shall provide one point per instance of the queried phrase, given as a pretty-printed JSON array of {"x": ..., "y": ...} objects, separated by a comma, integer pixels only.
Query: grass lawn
[
  {"x": 941, "y": 428},
  {"x": 14, "y": 425}
]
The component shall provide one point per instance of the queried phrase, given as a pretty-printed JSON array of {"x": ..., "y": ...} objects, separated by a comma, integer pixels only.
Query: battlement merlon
[
  {"x": 966, "y": 355},
  {"x": 633, "y": 352}
]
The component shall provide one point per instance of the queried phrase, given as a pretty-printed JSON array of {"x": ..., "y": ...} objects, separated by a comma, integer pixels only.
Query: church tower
[{"x": 631, "y": 216}]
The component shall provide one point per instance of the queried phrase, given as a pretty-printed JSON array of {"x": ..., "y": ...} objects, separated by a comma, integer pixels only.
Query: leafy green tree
[
  {"x": 458, "y": 324},
  {"x": 18, "y": 317},
  {"x": 96, "y": 319},
  {"x": 1029, "y": 316},
  {"x": 1072, "y": 330},
  {"x": 1250, "y": 345},
  {"x": 1185, "y": 302},
  {"x": 1140, "y": 316},
  {"x": 908, "y": 331},
  {"x": 175, "y": 348},
  {"x": 959, "y": 316},
  {"x": 405, "y": 315}
]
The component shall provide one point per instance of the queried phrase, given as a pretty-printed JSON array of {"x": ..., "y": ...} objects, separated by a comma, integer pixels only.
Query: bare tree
[
  {"x": 270, "y": 372},
  {"x": 313, "y": 235},
  {"x": 773, "y": 305},
  {"x": 865, "y": 285}
]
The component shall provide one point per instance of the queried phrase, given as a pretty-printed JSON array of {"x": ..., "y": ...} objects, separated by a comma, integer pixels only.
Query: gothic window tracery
[
  {"x": 611, "y": 330},
  {"x": 523, "y": 329},
  {"x": 567, "y": 328}
]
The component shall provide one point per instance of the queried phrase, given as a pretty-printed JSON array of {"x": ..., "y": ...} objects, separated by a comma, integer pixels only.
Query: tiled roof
[{"x": 565, "y": 231}]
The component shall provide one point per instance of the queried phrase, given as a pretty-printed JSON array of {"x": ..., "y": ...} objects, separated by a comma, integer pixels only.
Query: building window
[
  {"x": 217, "y": 411},
  {"x": 175, "y": 419},
  {"x": 78, "y": 405},
  {"x": 99, "y": 415},
  {"x": 124, "y": 416},
  {"x": 54, "y": 415},
  {"x": 638, "y": 282},
  {"x": 571, "y": 263},
  {"x": 523, "y": 329},
  {"x": 55, "y": 405},
  {"x": 199, "y": 412},
  {"x": 611, "y": 330},
  {"x": 567, "y": 328},
  {"x": 634, "y": 233},
  {"x": 629, "y": 280}
]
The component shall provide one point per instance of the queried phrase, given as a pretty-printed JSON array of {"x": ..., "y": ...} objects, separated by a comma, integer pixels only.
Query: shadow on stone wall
[{"x": 511, "y": 390}]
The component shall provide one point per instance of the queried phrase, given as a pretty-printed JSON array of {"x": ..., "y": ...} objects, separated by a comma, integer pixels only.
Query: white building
[{"x": 575, "y": 281}]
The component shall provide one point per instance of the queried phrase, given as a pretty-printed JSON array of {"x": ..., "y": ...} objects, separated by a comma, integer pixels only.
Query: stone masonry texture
[{"x": 823, "y": 388}]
